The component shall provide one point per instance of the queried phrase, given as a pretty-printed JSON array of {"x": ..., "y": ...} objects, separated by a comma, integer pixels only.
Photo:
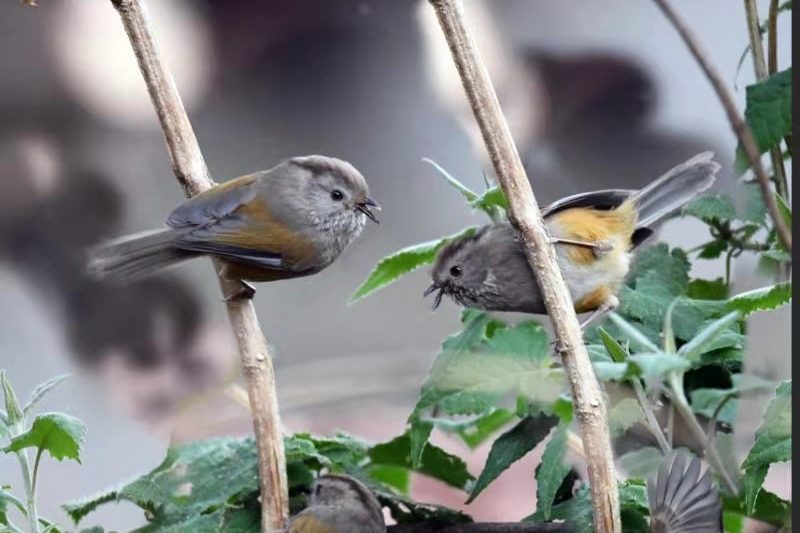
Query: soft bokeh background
[{"x": 598, "y": 94}]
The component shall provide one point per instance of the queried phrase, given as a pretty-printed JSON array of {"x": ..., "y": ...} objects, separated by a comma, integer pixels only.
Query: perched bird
[
  {"x": 596, "y": 233},
  {"x": 682, "y": 501},
  {"x": 339, "y": 504},
  {"x": 289, "y": 221}
]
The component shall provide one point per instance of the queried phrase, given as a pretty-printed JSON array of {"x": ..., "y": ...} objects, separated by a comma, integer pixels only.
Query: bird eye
[
  {"x": 337, "y": 195},
  {"x": 455, "y": 271}
]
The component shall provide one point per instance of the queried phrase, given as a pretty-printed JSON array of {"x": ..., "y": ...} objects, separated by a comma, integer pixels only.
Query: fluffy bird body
[
  {"x": 292, "y": 220},
  {"x": 339, "y": 504},
  {"x": 595, "y": 235}
]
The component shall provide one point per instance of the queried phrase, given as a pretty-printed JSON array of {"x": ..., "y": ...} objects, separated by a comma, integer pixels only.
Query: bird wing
[
  {"x": 682, "y": 503},
  {"x": 233, "y": 222},
  {"x": 604, "y": 199}
]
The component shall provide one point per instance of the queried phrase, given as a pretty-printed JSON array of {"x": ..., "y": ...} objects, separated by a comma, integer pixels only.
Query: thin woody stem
[
  {"x": 191, "y": 171},
  {"x": 738, "y": 124},
  {"x": 525, "y": 215}
]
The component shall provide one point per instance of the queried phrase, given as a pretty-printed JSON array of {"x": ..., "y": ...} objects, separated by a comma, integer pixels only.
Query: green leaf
[
  {"x": 512, "y": 446},
  {"x": 551, "y": 471},
  {"x": 768, "y": 109},
  {"x": 40, "y": 391},
  {"x": 763, "y": 299},
  {"x": 773, "y": 443},
  {"x": 435, "y": 463},
  {"x": 13, "y": 411},
  {"x": 768, "y": 508},
  {"x": 713, "y": 249},
  {"x": 59, "y": 434},
  {"x": 402, "y": 262},
  {"x": 701, "y": 343},
  {"x": 672, "y": 267},
  {"x": 470, "y": 195},
  {"x": 476, "y": 430},
  {"x": 7, "y": 498},
  {"x": 614, "y": 349},
  {"x": 710, "y": 208},
  {"x": 418, "y": 435},
  {"x": 405, "y": 511},
  {"x": 623, "y": 416},
  {"x": 396, "y": 477},
  {"x": 704, "y": 289},
  {"x": 487, "y": 362},
  {"x": 656, "y": 364},
  {"x": 641, "y": 463},
  {"x": 753, "y": 208},
  {"x": 492, "y": 202},
  {"x": 632, "y": 333}
]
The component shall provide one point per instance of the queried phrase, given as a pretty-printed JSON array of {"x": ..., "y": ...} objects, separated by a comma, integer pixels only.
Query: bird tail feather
[
  {"x": 682, "y": 501},
  {"x": 675, "y": 188},
  {"x": 136, "y": 256}
]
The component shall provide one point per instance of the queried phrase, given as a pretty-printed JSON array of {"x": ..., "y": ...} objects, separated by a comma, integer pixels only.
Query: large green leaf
[
  {"x": 475, "y": 430},
  {"x": 551, "y": 470},
  {"x": 769, "y": 109},
  {"x": 511, "y": 446},
  {"x": 773, "y": 443},
  {"x": 57, "y": 433},
  {"x": 710, "y": 208},
  {"x": 435, "y": 462},
  {"x": 762, "y": 299},
  {"x": 403, "y": 262}
]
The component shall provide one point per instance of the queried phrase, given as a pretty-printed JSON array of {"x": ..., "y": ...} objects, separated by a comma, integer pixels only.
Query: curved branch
[
  {"x": 524, "y": 213},
  {"x": 191, "y": 171},
  {"x": 738, "y": 124}
]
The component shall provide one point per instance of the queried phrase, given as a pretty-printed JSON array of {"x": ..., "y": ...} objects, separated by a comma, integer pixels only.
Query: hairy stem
[
  {"x": 30, "y": 496},
  {"x": 678, "y": 398},
  {"x": 735, "y": 118},
  {"x": 190, "y": 170},
  {"x": 652, "y": 422},
  {"x": 524, "y": 214}
]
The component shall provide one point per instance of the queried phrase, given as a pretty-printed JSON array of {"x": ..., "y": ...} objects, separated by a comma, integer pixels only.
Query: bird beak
[
  {"x": 433, "y": 288},
  {"x": 364, "y": 207}
]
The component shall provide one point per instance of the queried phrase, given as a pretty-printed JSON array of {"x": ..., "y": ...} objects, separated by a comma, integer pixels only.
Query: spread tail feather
[
  {"x": 676, "y": 188},
  {"x": 682, "y": 501},
  {"x": 136, "y": 256}
]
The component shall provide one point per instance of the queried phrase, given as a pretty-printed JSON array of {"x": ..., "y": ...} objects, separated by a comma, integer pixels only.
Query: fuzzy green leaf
[
  {"x": 57, "y": 433},
  {"x": 617, "y": 352},
  {"x": 41, "y": 390},
  {"x": 713, "y": 249},
  {"x": 402, "y": 262},
  {"x": 623, "y": 416},
  {"x": 710, "y": 208},
  {"x": 773, "y": 443},
  {"x": 470, "y": 195},
  {"x": 702, "y": 342},
  {"x": 551, "y": 471},
  {"x": 13, "y": 411},
  {"x": 512, "y": 446},
  {"x": 704, "y": 289},
  {"x": 641, "y": 463},
  {"x": 435, "y": 462},
  {"x": 769, "y": 109}
]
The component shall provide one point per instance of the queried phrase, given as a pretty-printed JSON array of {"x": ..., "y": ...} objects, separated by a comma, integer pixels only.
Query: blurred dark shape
[
  {"x": 597, "y": 124},
  {"x": 44, "y": 238}
]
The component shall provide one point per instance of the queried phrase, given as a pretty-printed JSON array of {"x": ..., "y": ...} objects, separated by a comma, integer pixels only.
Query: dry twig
[
  {"x": 191, "y": 171},
  {"x": 736, "y": 120},
  {"x": 524, "y": 213}
]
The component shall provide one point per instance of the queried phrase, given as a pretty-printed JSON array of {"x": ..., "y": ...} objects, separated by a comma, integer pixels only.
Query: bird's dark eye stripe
[
  {"x": 455, "y": 271},
  {"x": 337, "y": 195}
]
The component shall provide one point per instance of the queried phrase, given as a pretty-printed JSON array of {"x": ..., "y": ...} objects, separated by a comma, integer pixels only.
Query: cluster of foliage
[{"x": 675, "y": 345}]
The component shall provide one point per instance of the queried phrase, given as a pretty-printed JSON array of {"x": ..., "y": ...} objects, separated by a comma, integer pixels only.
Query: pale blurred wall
[{"x": 361, "y": 92}]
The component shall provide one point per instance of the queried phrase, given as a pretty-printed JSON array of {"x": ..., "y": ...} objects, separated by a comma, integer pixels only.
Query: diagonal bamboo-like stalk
[
  {"x": 191, "y": 171},
  {"x": 589, "y": 405}
]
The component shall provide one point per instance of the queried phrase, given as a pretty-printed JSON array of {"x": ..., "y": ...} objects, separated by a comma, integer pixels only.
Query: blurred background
[{"x": 597, "y": 94}]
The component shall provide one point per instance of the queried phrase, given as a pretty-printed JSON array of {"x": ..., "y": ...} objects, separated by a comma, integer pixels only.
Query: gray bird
[
  {"x": 596, "y": 233},
  {"x": 681, "y": 500},
  {"x": 339, "y": 504},
  {"x": 289, "y": 221}
]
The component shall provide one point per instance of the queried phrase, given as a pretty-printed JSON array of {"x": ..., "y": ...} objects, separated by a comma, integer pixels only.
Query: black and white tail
[
  {"x": 683, "y": 501},
  {"x": 675, "y": 188},
  {"x": 131, "y": 258}
]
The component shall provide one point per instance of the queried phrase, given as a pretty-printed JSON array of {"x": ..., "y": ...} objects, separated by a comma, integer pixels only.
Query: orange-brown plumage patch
[
  {"x": 309, "y": 524},
  {"x": 594, "y": 225},
  {"x": 593, "y": 300}
]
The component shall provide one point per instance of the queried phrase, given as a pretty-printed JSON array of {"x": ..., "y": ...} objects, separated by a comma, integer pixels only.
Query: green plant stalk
[
  {"x": 652, "y": 422},
  {"x": 30, "y": 495},
  {"x": 678, "y": 398}
]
